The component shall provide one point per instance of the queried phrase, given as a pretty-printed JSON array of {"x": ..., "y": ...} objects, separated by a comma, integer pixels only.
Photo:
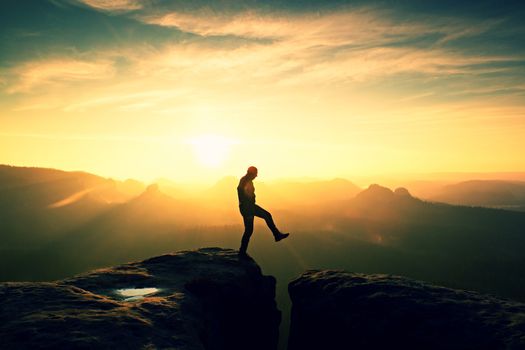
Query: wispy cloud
[
  {"x": 298, "y": 49},
  {"x": 415, "y": 97},
  {"x": 90, "y": 137},
  {"x": 114, "y": 5},
  {"x": 294, "y": 61},
  {"x": 35, "y": 107},
  {"x": 468, "y": 30},
  {"x": 350, "y": 44},
  {"x": 55, "y": 71},
  {"x": 248, "y": 24},
  {"x": 364, "y": 27},
  {"x": 328, "y": 29},
  {"x": 126, "y": 101}
]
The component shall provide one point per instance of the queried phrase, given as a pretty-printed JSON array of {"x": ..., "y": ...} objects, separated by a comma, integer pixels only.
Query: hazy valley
[{"x": 55, "y": 224}]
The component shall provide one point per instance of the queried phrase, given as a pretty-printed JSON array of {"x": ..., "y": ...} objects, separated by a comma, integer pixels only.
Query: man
[{"x": 248, "y": 208}]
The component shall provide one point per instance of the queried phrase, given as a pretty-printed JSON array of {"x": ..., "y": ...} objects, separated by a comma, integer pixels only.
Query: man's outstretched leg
[
  {"x": 248, "y": 230},
  {"x": 262, "y": 213}
]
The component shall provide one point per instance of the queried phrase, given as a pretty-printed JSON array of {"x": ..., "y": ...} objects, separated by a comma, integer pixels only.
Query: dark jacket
[{"x": 246, "y": 194}]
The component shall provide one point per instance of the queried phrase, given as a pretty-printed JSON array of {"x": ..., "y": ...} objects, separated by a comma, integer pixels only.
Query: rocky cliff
[
  {"x": 204, "y": 299},
  {"x": 341, "y": 310}
]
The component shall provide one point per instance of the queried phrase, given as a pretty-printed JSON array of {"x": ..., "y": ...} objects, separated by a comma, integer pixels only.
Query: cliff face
[
  {"x": 204, "y": 299},
  {"x": 340, "y": 310}
]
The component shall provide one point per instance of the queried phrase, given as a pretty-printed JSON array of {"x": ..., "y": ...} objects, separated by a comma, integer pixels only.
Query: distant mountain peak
[
  {"x": 152, "y": 192},
  {"x": 153, "y": 188},
  {"x": 377, "y": 187},
  {"x": 402, "y": 192},
  {"x": 379, "y": 194},
  {"x": 375, "y": 192}
]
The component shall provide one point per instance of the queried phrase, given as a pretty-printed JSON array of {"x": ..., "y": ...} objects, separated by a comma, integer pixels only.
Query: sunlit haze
[{"x": 194, "y": 91}]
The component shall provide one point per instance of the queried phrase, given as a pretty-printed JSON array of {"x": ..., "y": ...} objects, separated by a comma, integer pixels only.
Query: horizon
[
  {"x": 197, "y": 91},
  {"x": 391, "y": 181}
]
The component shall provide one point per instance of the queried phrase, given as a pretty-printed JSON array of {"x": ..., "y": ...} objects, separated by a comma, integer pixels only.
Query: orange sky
[{"x": 331, "y": 92}]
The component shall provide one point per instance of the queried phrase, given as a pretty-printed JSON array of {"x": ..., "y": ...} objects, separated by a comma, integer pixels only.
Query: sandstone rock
[
  {"x": 204, "y": 299},
  {"x": 342, "y": 310}
]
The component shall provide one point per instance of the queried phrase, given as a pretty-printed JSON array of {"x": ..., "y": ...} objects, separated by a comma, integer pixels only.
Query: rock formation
[
  {"x": 402, "y": 192},
  {"x": 341, "y": 310},
  {"x": 375, "y": 194},
  {"x": 204, "y": 299}
]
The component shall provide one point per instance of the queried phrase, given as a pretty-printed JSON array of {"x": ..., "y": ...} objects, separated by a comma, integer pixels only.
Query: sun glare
[{"x": 211, "y": 150}]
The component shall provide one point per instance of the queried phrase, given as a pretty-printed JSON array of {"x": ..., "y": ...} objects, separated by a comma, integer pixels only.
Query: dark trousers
[{"x": 248, "y": 216}]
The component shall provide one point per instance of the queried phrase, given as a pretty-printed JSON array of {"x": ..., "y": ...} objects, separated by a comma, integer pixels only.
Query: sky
[{"x": 197, "y": 90}]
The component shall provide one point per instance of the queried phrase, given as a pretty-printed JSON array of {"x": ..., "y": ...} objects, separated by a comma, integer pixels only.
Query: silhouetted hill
[
  {"x": 492, "y": 193},
  {"x": 173, "y": 189},
  {"x": 12, "y": 176},
  {"x": 375, "y": 194},
  {"x": 39, "y": 203},
  {"x": 204, "y": 299},
  {"x": 134, "y": 229},
  {"x": 59, "y": 183},
  {"x": 342, "y": 310},
  {"x": 130, "y": 187},
  {"x": 375, "y": 203},
  {"x": 223, "y": 192},
  {"x": 38, "y": 187}
]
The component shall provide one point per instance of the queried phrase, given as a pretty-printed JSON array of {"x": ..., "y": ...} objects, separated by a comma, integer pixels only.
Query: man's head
[{"x": 252, "y": 172}]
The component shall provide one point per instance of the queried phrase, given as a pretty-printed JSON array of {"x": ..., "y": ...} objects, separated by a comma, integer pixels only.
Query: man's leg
[
  {"x": 248, "y": 230},
  {"x": 260, "y": 212}
]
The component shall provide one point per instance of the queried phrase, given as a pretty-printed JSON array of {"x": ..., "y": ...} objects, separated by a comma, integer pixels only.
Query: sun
[{"x": 211, "y": 150}]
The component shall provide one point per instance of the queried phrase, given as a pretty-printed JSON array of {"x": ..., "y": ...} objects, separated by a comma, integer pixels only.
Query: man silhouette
[{"x": 248, "y": 208}]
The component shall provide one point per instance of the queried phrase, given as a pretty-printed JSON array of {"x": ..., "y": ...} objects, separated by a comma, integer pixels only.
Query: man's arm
[{"x": 249, "y": 190}]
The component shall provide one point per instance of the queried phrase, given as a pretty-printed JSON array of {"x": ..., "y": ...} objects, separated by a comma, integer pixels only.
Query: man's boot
[
  {"x": 280, "y": 236},
  {"x": 242, "y": 250}
]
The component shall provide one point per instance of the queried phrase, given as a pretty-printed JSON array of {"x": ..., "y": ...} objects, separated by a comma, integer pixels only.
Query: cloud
[
  {"x": 248, "y": 24},
  {"x": 349, "y": 44},
  {"x": 35, "y": 107},
  {"x": 114, "y": 5},
  {"x": 297, "y": 62},
  {"x": 89, "y": 137},
  {"x": 126, "y": 101},
  {"x": 298, "y": 49},
  {"x": 327, "y": 29},
  {"x": 364, "y": 26},
  {"x": 56, "y": 71},
  {"x": 469, "y": 30}
]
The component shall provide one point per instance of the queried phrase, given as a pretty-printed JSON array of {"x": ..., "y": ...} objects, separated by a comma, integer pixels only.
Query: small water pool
[{"x": 131, "y": 294}]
